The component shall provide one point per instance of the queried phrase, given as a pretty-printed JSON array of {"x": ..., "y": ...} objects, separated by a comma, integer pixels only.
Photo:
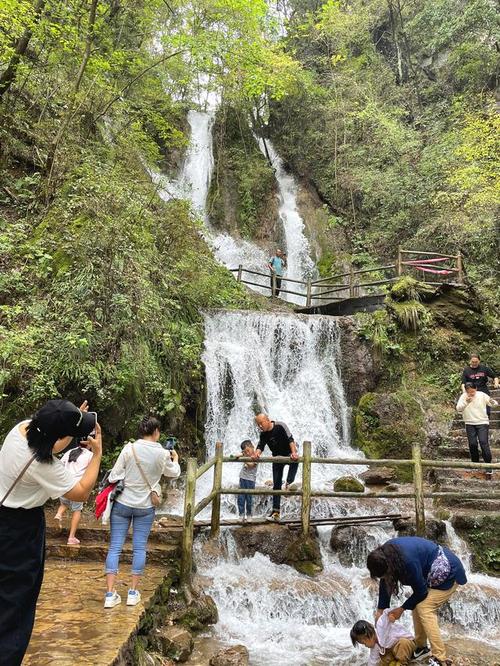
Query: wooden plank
[
  {"x": 216, "y": 488},
  {"x": 418, "y": 482},
  {"x": 188, "y": 525},
  {"x": 306, "y": 488},
  {"x": 296, "y": 522},
  {"x": 204, "y": 502},
  {"x": 205, "y": 467},
  {"x": 430, "y": 254}
]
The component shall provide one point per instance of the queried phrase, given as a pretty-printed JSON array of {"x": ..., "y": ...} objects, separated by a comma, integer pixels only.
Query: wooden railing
[
  {"x": 191, "y": 510},
  {"x": 352, "y": 283}
]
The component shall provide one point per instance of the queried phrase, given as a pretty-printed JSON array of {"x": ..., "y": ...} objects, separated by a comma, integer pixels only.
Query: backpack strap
[
  {"x": 17, "y": 479},
  {"x": 145, "y": 478}
]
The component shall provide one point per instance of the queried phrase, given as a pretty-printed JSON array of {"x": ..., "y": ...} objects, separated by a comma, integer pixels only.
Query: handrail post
[
  {"x": 188, "y": 531},
  {"x": 399, "y": 263},
  {"x": 418, "y": 482},
  {"x": 273, "y": 283},
  {"x": 460, "y": 268},
  {"x": 217, "y": 485},
  {"x": 308, "y": 295},
  {"x": 240, "y": 272},
  {"x": 351, "y": 282},
  {"x": 306, "y": 488}
]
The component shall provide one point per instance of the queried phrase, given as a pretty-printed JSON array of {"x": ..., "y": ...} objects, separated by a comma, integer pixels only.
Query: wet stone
[
  {"x": 176, "y": 642},
  {"x": 236, "y": 655},
  {"x": 73, "y": 627},
  {"x": 378, "y": 476}
]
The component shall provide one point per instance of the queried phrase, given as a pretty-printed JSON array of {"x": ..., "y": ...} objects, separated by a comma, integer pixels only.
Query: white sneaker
[
  {"x": 133, "y": 597},
  {"x": 112, "y": 599}
]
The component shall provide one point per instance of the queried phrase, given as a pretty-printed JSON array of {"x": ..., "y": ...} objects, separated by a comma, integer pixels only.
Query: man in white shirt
[{"x": 472, "y": 405}]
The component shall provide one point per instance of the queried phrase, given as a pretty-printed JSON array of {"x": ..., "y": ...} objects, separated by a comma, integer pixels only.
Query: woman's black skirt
[{"x": 22, "y": 555}]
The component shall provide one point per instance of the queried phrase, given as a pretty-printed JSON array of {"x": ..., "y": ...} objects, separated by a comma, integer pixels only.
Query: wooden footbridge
[
  {"x": 357, "y": 289},
  {"x": 306, "y": 493}
]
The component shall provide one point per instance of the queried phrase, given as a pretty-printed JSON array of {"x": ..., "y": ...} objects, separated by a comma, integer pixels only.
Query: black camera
[{"x": 170, "y": 443}]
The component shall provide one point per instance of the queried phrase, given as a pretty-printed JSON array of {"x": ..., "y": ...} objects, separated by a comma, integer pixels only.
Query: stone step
[
  {"x": 158, "y": 553},
  {"x": 101, "y": 534},
  {"x": 462, "y": 452},
  {"x": 479, "y": 505}
]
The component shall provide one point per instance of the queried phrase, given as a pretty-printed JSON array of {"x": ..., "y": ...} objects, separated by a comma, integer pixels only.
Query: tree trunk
[{"x": 9, "y": 74}]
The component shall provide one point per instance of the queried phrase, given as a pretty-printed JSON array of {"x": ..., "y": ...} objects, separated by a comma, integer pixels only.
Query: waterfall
[
  {"x": 286, "y": 366},
  {"x": 300, "y": 266}
]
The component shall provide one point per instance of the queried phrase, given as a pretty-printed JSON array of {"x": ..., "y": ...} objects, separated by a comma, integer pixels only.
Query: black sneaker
[{"x": 421, "y": 653}]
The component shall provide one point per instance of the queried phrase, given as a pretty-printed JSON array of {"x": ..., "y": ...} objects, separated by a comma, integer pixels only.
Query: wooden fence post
[
  {"x": 418, "y": 482},
  {"x": 217, "y": 485},
  {"x": 188, "y": 532},
  {"x": 240, "y": 272},
  {"x": 399, "y": 263},
  {"x": 351, "y": 282},
  {"x": 306, "y": 488},
  {"x": 308, "y": 294},
  {"x": 460, "y": 268}
]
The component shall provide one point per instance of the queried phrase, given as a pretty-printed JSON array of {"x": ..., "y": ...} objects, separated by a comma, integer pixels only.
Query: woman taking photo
[
  {"x": 141, "y": 464},
  {"x": 433, "y": 572},
  {"x": 29, "y": 476}
]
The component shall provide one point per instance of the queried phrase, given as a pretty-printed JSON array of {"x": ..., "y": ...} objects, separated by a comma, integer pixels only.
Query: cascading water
[
  {"x": 299, "y": 263},
  {"x": 288, "y": 366}
]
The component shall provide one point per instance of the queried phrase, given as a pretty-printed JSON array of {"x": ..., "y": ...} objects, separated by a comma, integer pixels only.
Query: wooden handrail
[{"x": 431, "y": 254}]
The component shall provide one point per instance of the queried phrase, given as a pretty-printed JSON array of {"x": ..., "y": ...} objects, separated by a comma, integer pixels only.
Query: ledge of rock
[
  {"x": 176, "y": 642},
  {"x": 378, "y": 476},
  {"x": 196, "y": 615},
  {"x": 237, "y": 655},
  {"x": 348, "y": 484},
  {"x": 282, "y": 545},
  {"x": 435, "y": 530}
]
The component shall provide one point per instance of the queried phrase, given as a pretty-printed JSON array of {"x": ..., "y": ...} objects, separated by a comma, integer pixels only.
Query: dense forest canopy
[{"x": 385, "y": 107}]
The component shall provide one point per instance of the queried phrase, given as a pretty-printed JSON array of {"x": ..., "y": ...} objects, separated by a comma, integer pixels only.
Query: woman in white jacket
[{"x": 141, "y": 464}]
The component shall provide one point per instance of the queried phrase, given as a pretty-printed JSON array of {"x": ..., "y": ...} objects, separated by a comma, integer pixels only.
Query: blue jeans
[
  {"x": 121, "y": 517},
  {"x": 245, "y": 500}
]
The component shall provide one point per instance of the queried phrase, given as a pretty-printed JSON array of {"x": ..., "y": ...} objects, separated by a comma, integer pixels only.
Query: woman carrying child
[
  {"x": 434, "y": 574},
  {"x": 76, "y": 462}
]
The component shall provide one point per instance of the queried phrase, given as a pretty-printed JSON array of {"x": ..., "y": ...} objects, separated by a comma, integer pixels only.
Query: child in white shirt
[
  {"x": 390, "y": 643},
  {"x": 76, "y": 461}
]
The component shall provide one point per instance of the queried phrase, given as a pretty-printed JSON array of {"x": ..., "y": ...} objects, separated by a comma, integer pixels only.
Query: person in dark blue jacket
[{"x": 433, "y": 572}]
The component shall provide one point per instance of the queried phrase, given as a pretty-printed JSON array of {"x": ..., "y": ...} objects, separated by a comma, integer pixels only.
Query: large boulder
[
  {"x": 352, "y": 544},
  {"x": 237, "y": 655},
  {"x": 282, "y": 545},
  {"x": 435, "y": 530},
  {"x": 176, "y": 642},
  {"x": 195, "y": 615},
  {"x": 378, "y": 476},
  {"x": 348, "y": 484}
]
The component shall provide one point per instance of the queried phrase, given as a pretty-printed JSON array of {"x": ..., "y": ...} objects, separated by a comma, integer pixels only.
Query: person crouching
[{"x": 390, "y": 644}]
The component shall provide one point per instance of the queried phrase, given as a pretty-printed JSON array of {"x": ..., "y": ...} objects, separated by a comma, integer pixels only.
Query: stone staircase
[
  {"x": 163, "y": 544},
  {"x": 455, "y": 447}
]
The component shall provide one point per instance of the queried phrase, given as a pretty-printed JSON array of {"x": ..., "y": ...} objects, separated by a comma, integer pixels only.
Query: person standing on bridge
[
  {"x": 30, "y": 474},
  {"x": 433, "y": 572},
  {"x": 473, "y": 406},
  {"x": 279, "y": 439},
  {"x": 277, "y": 265}
]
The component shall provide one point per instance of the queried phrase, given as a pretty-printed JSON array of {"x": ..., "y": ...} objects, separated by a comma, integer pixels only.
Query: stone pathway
[{"x": 72, "y": 626}]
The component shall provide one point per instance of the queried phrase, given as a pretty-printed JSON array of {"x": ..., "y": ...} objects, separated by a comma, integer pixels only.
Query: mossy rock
[
  {"x": 387, "y": 424},
  {"x": 481, "y": 533},
  {"x": 304, "y": 555},
  {"x": 348, "y": 484}
]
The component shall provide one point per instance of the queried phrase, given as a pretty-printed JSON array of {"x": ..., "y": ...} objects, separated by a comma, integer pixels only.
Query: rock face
[
  {"x": 481, "y": 533},
  {"x": 378, "y": 476},
  {"x": 196, "y": 615},
  {"x": 435, "y": 530},
  {"x": 357, "y": 361},
  {"x": 281, "y": 545},
  {"x": 352, "y": 544},
  {"x": 237, "y": 655},
  {"x": 176, "y": 642},
  {"x": 348, "y": 484}
]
